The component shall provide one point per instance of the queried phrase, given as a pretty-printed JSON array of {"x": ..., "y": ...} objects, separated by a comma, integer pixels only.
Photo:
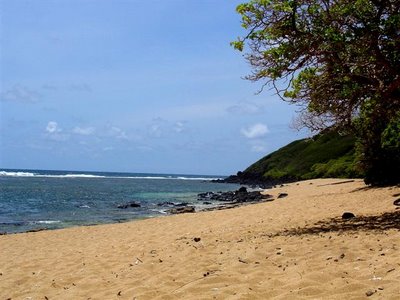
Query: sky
[{"x": 132, "y": 86}]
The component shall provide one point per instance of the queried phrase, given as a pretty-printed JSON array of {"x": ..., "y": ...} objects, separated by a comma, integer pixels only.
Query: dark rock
[
  {"x": 207, "y": 203},
  {"x": 197, "y": 239},
  {"x": 348, "y": 215},
  {"x": 282, "y": 195},
  {"x": 239, "y": 196},
  {"x": 397, "y": 202},
  {"x": 37, "y": 229},
  {"x": 127, "y": 205},
  {"x": 242, "y": 190},
  {"x": 182, "y": 210}
]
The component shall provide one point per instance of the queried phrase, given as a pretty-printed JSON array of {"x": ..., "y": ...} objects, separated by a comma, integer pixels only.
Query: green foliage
[
  {"x": 326, "y": 155},
  {"x": 342, "y": 61},
  {"x": 391, "y": 134}
]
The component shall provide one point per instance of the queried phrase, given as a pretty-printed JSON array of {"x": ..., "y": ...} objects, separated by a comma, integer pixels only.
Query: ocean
[{"x": 40, "y": 199}]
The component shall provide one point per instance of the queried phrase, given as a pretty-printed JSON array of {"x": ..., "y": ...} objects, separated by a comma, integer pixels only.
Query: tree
[{"x": 339, "y": 60}]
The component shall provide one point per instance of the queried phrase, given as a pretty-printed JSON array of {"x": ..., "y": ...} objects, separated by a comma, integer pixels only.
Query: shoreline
[{"x": 232, "y": 253}]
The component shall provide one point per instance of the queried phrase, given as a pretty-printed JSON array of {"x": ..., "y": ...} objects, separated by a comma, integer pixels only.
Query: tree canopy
[{"x": 340, "y": 60}]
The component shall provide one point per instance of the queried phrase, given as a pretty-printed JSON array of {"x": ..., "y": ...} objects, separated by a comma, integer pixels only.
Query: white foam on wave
[
  {"x": 16, "y": 174},
  {"x": 161, "y": 211},
  {"x": 73, "y": 176},
  {"x": 84, "y": 206},
  {"x": 199, "y": 178},
  {"x": 47, "y": 222},
  {"x": 30, "y": 174}
]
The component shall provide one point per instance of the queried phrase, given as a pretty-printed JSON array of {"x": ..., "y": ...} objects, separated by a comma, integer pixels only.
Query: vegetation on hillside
[
  {"x": 326, "y": 155},
  {"x": 338, "y": 59}
]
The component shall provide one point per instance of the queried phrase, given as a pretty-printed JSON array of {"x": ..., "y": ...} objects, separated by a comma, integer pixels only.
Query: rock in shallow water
[{"x": 127, "y": 205}]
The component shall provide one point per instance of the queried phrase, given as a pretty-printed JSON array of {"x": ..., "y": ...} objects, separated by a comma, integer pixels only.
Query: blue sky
[{"x": 129, "y": 85}]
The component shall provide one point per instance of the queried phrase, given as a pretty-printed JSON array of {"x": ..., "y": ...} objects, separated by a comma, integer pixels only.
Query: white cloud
[
  {"x": 255, "y": 131},
  {"x": 84, "y": 130},
  {"x": 118, "y": 133},
  {"x": 162, "y": 128},
  {"x": 52, "y": 127},
  {"x": 155, "y": 130},
  {"x": 54, "y": 132},
  {"x": 246, "y": 108},
  {"x": 19, "y": 93},
  {"x": 179, "y": 127}
]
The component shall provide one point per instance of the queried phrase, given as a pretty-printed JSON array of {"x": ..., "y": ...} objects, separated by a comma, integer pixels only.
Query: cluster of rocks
[
  {"x": 135, "y": 204},
  {"x": 239, "y": 196},
  {"x": 230, "y": 199}
]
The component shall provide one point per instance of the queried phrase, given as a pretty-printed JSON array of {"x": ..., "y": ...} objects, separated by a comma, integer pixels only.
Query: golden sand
[{"x": 260, "y": 251}]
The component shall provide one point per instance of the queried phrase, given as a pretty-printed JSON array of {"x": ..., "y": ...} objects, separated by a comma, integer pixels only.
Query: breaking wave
[{"x": 83, "y": 175}]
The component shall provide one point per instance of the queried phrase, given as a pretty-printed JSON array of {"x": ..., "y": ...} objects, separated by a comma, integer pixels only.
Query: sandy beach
[{"x": 295, "y": 247}]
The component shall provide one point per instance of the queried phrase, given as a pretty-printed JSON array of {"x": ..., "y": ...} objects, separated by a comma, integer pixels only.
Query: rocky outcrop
[
  {"x": 128, "y": 205},
  {"x": 239, "y": 196}
]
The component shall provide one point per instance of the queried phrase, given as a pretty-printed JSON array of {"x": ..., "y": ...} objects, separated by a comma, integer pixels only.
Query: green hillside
[{"x": 325, "y": 155}]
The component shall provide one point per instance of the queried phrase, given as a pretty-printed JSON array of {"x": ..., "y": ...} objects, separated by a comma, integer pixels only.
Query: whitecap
[
  {"x": 16, "y": 174},
  {"x": 47, "y": 222}
]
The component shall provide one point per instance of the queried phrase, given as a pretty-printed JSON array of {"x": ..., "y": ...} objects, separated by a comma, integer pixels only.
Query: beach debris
[
  {"x": 282, "y": 195},
  {"x": 370, "y": 293},
  {"x": 342, "y": 256},
  {"x": 197, "y": 239},
  {"x": 391, "y": 270},
  {"x": 138, "y": 261},
  {"x": 396, "y": 202},
  {"x": 243, "y": 261},
  {"x": 119, "y": 293},
  {"x": 182, "y": 210},
  {"x": 129, "y": 204},
  {"x": 347, "y": 215},
  {"x": 37, "y": 229}
]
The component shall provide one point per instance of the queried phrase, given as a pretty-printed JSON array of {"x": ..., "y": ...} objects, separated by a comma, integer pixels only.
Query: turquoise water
[{"x": 34, "y": 199}]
